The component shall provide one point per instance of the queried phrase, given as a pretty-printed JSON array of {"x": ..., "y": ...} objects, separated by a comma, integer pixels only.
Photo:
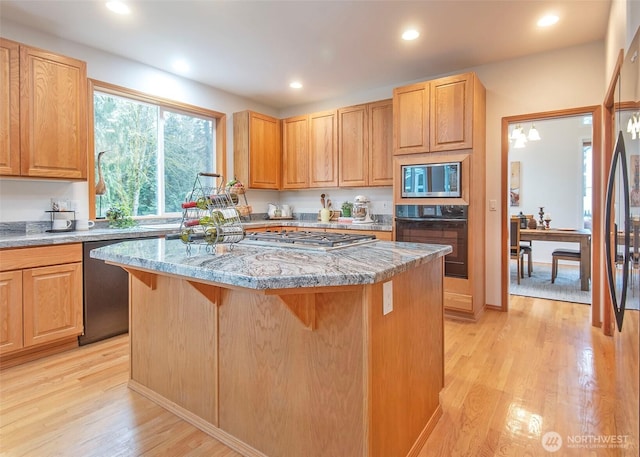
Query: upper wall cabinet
[
  {"x": 10, "y": 109},
  {"x": 323, "y": 149},
  {"x": 411, "y": 118},
  {"x": 295, "y": 152},
  {"x": 50, "y": 113},
  {"x": 435, "y": 115},
  {"x": 451, "y": 113},
  {"x": 310, "y": 151},
  {"x": 365, "y": 149},
  {"x": 353, "y": 145},
  {"x": 257, "y": 150}
]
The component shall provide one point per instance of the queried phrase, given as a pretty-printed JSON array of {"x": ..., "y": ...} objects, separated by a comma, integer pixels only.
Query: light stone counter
[
  {"x": 14, "y": 239},
  {"x": 260, "y": 267}
]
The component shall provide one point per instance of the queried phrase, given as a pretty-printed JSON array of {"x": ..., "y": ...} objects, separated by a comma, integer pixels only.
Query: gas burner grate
[{"x": 309, "y": 238}]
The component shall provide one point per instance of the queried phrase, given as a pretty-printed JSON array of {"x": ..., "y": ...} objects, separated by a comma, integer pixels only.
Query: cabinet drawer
[{"x": 17, "y": 259}]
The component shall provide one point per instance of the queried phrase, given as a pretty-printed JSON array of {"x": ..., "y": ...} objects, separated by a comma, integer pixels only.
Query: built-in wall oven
[{"x": 437, "y": 224}]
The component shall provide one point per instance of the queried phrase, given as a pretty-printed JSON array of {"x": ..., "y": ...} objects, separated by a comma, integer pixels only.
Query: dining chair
[
  {"x": 562, "y": 254},
  {"x": 516, "y": 251},
  {"x": 528, "y": 248}
]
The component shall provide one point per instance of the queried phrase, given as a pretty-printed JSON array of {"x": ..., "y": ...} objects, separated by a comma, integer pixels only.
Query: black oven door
[{"x": 439, "y": 231}]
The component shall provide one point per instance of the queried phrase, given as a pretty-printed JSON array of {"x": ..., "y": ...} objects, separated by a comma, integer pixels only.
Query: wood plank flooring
[{"x": 509, "y": 379}]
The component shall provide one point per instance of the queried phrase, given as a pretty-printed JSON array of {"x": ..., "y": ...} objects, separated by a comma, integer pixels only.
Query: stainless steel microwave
[{"x": 431, "y": 180}]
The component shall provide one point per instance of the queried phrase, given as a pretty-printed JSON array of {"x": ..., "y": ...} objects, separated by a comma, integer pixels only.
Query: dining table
[{"x": 562, "y": 235}]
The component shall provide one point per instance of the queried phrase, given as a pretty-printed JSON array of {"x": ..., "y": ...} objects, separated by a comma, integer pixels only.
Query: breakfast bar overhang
[{"x": 290, "y": 352}]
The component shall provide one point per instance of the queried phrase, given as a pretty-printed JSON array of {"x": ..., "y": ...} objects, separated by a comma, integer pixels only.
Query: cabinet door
[
  {"x": 52, "y": 303},
  {"x": 295, "y": 153},
  {"x": 264, "y": 155},
  {"x": 53, "y": 115},
  {"x": 381, "y": 143},
  {"x": 353, "y": 146},
  {"x": 10, "y": 311},
  {"x": 9, "y": 108},
  {"x": 451, "y": 113},
  {"x": 411, "y": 119},
  {"x": 323, "y": 150}
]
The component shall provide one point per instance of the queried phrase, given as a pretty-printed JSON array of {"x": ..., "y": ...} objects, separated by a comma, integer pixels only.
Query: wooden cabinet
[
  {"x": 52, "y": 306},
  {"x": 310, "y": 151},
  {"x": 10, "y": 311},
  {"x": 382, "y": 236},
  {"x": 350, "y": 147},
  {"x": 381, "y": 143},
  {"x": 365, "y": 150},
  {"x": 295, "y": 152},
  {"x": 40, "y": 300},
  {"x": 436, "y": 115},
  {"x": 257, "y": 150},
  {"x": 353, "y": 146},
  {"x": 9, "y": 108},
  {"x": 269, "y": 228},
  {"x": 411, "y": 118},
  {"x": 323, "y": 149},
  {"x": 51, "y": 114},
  {"x": 451, "y": 112},
  {"x": 438, "y": 121}
]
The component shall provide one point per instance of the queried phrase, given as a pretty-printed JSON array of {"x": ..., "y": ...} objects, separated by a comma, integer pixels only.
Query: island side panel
[
  {"x": 407, "y": 361},
  {"x": 173, "y": 332},
  {"x": 287, "y": 390}
]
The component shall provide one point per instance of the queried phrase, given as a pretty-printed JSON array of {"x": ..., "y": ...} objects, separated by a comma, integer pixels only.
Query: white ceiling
[{"x": 255, "y": 48}]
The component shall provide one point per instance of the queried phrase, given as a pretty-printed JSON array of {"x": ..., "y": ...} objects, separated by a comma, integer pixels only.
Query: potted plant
[
  {"x": 119, "y": 216},
  {"x": 346, "y": 209}
]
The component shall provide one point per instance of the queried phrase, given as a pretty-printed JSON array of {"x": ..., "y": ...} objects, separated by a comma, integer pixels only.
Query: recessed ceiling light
[
  {"x": 410, "y": 34},
  {"x": 295, "y": 85},
  {"x": 118, "y": 7},
  {"x": 181, "y": 66},
  {"x": 548, "y": 20}
]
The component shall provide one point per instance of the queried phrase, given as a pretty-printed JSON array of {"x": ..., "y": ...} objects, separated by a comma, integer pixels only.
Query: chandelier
[
  {"x": 633, "y": 126},
  {"x": 520, "y": 138}
]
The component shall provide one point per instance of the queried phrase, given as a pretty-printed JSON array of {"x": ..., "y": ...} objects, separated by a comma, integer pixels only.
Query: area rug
[{"x": 566, "y": 286}]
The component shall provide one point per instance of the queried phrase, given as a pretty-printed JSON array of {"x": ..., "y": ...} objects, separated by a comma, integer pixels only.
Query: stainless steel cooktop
[{"x": 323, "y": 241}]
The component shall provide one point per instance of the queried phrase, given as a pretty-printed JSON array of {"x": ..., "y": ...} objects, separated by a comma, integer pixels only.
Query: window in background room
[
  {"x": 586, "y": 184},
  {"x": 153, "y": 153}
]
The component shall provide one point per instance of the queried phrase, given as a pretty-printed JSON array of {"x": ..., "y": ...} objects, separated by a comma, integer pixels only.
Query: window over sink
[{"x": 147, "y": 151}]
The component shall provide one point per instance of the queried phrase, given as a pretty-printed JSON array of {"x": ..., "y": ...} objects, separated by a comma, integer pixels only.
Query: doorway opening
[{"x": 550, "y": 178}]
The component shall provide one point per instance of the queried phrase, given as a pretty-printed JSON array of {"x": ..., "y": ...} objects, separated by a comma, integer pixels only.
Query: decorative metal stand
[
  {"x": 541, "y": 221},
  {"x": 209, "y": 214},
  {"x": 70, "y": 228}
]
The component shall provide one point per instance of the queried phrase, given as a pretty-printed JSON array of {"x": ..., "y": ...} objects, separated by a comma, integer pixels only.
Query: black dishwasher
[{"x": 106, "y": 296}]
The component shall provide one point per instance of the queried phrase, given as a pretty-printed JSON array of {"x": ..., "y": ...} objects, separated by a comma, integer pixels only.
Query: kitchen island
[{"x": 290, "y": 352}]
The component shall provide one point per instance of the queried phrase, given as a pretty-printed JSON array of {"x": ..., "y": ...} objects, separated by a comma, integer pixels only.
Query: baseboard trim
[{"x": 207, "y": 427}]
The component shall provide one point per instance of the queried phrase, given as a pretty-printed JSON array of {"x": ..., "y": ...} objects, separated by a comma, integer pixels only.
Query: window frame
[{"x": 163, "y": 103}]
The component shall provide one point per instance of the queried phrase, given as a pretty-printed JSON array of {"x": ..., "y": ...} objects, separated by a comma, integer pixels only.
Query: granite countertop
[
  {"x": 14, "y": 239},
  {"x": 260, "y": 267}
]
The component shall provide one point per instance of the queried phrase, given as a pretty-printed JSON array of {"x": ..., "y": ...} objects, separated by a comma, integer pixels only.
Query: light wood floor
[{"x": 510, "y": 378}]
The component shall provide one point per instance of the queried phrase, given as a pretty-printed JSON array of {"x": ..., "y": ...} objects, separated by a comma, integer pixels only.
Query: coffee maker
[{"x": 361, "y": 210}]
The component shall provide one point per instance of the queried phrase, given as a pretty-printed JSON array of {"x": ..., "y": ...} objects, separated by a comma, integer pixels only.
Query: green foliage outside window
[{"x": 153, "y": 154}]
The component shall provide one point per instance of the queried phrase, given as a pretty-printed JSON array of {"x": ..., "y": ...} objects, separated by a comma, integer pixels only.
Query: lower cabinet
[
  {"x": 382, "y": 236},
  {"x": 269, "y": 228},
  {"x": 40, "y": 301},
  {"x": 11, "y": 311}
]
